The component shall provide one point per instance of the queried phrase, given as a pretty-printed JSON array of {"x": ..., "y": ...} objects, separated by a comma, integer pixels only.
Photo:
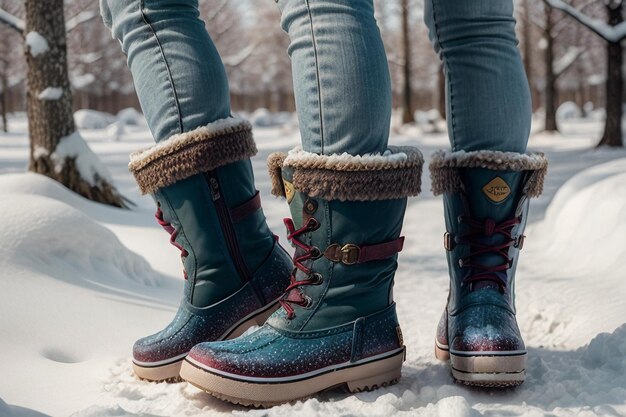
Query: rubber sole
[
  {"x": 266, "y": 392},
  {"x": 501, "y": 370},
  {"x": 169, "y": 372}
]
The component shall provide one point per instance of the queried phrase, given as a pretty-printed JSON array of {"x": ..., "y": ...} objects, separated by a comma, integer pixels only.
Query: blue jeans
[
  {"x": 487, "y": 94},
  {"x": 341, "y": 78}
]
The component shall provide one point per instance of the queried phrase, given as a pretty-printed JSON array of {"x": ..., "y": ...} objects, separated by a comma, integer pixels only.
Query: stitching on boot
[
  {"x": 444, "y": 168},
  {"x": 184, "y": 155},
  {"x": 395, "y": 174}
]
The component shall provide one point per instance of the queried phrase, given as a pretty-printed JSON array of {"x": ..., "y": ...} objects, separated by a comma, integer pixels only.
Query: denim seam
[
  {"x": 173, "y": 93},
  {"x": 448, "y": 74},
  {"x": 317, "y": 76}
]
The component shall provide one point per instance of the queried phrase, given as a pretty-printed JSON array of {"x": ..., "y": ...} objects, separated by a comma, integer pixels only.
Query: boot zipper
[{"x": 226, "y": 224}]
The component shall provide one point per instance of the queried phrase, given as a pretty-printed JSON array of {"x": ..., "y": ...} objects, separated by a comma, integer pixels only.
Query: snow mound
[
  {"x": 48, "y": 228},
  {"x": 588, "y": 211},
  {"x": 264, "y": 118},
  {"x": 40, "y": 185},
  {"x": 92, "y": 119},
  {"x": 55, "y": 239},
  {"x": 116, "y": 130},
  {"x": 87, "y": 163},
  {"x": 15, "y": 411},
  {"x": 131, "y": 117},
  {"x": 427, "y": 117},
  {"x": 607, "y": 351},
  {"x": 568, "y": 111}
]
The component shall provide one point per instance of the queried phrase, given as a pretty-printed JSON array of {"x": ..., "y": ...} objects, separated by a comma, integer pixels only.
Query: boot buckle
[
  {"x": 519, "y": 242},
  {"x": 347, "y": 254},
  {"x": 350, "y": 254},
  {"x": 448, "y": 241}
]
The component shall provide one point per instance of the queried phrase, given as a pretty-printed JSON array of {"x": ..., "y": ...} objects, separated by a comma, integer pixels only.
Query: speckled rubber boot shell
[
  {"x": 337, "y": 323},
  {"x": 486, "y": 197},
  {"x": 235, "y": 270}
]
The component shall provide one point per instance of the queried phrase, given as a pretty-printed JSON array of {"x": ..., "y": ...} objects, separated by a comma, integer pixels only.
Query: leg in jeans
[
  {"x": 340, "y": 74},
  {"x": 200, "y": 175},
  {"x": 347, "y": 193},
  {"x": 487, "y": 94},
  {"x": 487, "y": 181},
  {"x": 179, "y": 77}
]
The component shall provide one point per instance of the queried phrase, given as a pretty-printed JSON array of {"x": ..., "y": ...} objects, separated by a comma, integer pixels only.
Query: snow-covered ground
[{"x": 79, "y": 282}]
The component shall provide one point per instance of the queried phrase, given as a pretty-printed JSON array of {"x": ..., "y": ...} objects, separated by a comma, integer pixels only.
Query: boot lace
[
  {"x": 173, "y": 233},
  {"x": 304, "y": 252},
  {"x": 474, "y": 237}
]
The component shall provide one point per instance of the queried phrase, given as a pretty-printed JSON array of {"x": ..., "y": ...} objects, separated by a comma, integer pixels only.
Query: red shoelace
[
  {"x": 173, "y": 233},
  {"x": 303, "y": 252},
  {"x": 479, "y": 230}
]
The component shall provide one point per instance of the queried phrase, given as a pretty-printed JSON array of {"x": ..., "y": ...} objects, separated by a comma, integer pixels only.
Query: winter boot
[
  {"x": 337, "y": 325},
  {"x": 486, "y": 197},
  {"x": 234, "y": 268}
]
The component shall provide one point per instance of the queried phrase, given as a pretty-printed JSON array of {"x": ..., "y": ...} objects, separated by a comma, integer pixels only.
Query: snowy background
[{"x": 80, "y": 282}]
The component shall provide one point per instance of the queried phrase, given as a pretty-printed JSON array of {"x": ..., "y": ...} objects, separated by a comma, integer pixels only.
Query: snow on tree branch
[
  {"x": 567, "y": 60},
  {"x": 609, "y": 33},
  {"x": 238, "y": 58},
  {"x": 12, "y": 21},
  {"x": 216, "y": 11},
  {"x": 80, "y": 18},
  {"x": 37, "y": 44}
]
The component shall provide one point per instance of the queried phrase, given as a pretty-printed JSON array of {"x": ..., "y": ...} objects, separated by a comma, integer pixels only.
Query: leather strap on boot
[
  {"x": 244, "y": 210},
  {"x": 351, "y": 254}
]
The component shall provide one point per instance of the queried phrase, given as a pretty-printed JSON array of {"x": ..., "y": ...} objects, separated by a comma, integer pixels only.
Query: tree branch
[
  {"x": 612, "y": 34},
  {"x": 240, "y": 57},
  {"x": 11, "y": 21},
  {"x": 82, "y": 17},
  {"x": 537, "y": 22},
  {"x": 216, "y": 11},
  {"x": 566, "y": 62}
]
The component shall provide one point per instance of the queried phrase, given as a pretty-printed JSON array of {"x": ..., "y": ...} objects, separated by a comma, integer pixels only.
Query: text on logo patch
[{"x": 497, "y": 190}]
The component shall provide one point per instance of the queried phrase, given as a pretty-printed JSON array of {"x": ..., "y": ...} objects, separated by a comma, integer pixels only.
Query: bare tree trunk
[
  {"x": 4, "y": 73},
  {"x": 407, "y": 102},
  {"x": 551, "y": 77},
  {"x": 49, "y": 103},
  {"x": 4, "y": 86},
  {"x": 614, "y": 85}
]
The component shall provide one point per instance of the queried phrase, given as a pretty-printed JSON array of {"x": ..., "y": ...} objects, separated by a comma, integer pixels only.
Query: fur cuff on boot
[
  {"x": 395, "y": 174},
  {"x": 200, "y": 150},
  {"x": 444, "y": 168}
]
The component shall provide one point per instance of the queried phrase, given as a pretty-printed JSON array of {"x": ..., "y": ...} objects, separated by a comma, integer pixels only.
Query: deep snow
[{"x": 81, "y": 281}]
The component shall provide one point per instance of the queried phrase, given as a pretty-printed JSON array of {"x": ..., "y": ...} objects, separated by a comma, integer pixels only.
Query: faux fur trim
[
  {"x": 200, "y": 150},
  {"x": 444, "y": 168},
  {"x": 274, "y": 164},
  {"x": 395, "y": 174}
]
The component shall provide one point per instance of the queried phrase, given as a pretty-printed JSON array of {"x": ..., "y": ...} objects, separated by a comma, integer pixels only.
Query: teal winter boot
[
  {"x": 235, "y": 270},
  {"x": 337, "y": 325},
  {"x": 486, "y": 198}
]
